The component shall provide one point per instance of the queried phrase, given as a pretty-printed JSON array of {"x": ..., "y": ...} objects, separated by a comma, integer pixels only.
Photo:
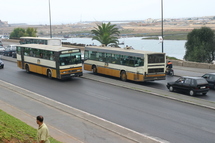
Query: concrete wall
[
  {"x": 10, "y": 40},
  {"x": 193, "y": 64}
]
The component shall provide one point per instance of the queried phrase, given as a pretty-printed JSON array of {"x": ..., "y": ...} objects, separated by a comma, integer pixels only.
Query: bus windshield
[{"x": 71, "y": 58}]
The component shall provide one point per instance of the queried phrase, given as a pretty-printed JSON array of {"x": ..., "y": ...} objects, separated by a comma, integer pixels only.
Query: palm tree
[{"x": 105, "y": 33}]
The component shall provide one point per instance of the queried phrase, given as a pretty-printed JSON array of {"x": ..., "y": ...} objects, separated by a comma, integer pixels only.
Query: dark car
[
  {"x": 210, "y": 77},
  {"x": 1, "y": 64},
  {"x": 14, "y": 54},
  {"x": 1, "y": 44},
  {"x": 191, "y": 85},
  {"x": 9, "y": 50}
]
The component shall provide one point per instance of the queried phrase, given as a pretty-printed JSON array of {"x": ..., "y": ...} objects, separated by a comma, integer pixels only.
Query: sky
[{"x": 73, "y": 11}]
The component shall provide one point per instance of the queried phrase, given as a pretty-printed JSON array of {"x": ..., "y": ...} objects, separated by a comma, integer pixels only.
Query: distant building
[
  {"x": 149, "y": 20},
  {"x": 3, "y": 23}
]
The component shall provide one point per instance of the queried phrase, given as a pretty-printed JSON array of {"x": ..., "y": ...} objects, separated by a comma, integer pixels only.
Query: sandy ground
[{"x": 133, "y": 28}]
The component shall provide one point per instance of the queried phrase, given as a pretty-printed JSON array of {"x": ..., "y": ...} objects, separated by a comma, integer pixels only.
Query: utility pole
[
  {"x": 162, "y": 23},
  {"x": 50, "y": 20}
]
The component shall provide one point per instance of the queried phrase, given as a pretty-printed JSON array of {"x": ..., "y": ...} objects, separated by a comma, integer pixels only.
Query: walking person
[{"x": 42, "y": 131}]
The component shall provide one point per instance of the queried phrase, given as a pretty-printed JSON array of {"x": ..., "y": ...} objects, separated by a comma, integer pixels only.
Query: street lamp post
[
  {"x": 50, "y": 20},
  {"x": 162, "y": 24}
]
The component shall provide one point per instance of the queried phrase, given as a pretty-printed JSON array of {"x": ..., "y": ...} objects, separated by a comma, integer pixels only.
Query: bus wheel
[
  {"x": 49, "y": 74},
  {"x": 123, "y": 76},
  {"x": 27, "y": 69},
  {"x": 94, "y": 70}
]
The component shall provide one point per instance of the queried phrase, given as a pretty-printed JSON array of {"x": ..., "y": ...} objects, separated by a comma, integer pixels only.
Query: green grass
[
  {"x": 171, "y": 58},
  {"x": 14, "y": 129},
  {"x": 169, "y": 35}
]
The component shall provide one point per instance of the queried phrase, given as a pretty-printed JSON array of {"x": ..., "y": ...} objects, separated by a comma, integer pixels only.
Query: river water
[{"x": 172, "y": 48}]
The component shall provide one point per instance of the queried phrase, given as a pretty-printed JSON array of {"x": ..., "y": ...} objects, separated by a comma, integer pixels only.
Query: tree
[
  {"x": 20, "y": 32},
  {"x": 200, "y": 45},
  {"x": 106, "y": 33},
  {"x": 31, "y": 32},
  {"x": 17, "y": 33}
]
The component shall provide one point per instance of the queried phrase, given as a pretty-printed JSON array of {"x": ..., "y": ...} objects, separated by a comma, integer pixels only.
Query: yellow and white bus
[
  {"x": 40, "y": 40},
  {"x": 53, "y": 61},
  {"x": 126, "y": 64}
]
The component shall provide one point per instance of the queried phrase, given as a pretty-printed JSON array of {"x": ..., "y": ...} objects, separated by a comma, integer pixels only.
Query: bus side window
[
  {"x": 86, "y": 55},
  {"x": 93, "y": 55},
  {"x": 108, "y": 58},
  {"x": 100, "y": 57},
  {"x": 31, "y": 53},
  {"x": 138, "y": 62},
  {"x": 117, "y": 59},
  {"x": 52, "y": 57}
]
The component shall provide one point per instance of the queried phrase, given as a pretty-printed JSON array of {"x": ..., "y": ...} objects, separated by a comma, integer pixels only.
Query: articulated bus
[
  {"x": 40, "y": 40},
  {"x": 53, "y": 61},
  {"x": 127, "y": 64}
]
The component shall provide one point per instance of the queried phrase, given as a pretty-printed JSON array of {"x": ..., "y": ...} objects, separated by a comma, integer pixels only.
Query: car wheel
[
  {"x": 204, "y": 93},
  {"x": 171, "y": 89},
  {"x": 191, "y": 93}
]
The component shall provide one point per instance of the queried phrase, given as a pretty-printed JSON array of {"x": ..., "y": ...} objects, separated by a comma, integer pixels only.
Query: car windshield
[{"x": 201, "y": 81}]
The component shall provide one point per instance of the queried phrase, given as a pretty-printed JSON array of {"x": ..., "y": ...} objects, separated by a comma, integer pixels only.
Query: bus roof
[
  {"x": 115, "y": 50},
  {"x": 41, "y": 38},
  {"x": 47, "y": 47}
]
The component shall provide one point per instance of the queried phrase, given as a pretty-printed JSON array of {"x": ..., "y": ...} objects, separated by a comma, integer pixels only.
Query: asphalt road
[{"x": 145, "y": 113}]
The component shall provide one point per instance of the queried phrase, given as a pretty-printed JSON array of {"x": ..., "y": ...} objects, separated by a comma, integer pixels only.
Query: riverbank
[{"x": 170, "y": 35}]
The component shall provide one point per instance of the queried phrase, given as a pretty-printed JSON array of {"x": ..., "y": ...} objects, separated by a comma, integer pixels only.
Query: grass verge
[
  {"x": 172, "y": 58},
  {"x": 168, "y": 35},
  {"x": 14, "y": 130}
]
